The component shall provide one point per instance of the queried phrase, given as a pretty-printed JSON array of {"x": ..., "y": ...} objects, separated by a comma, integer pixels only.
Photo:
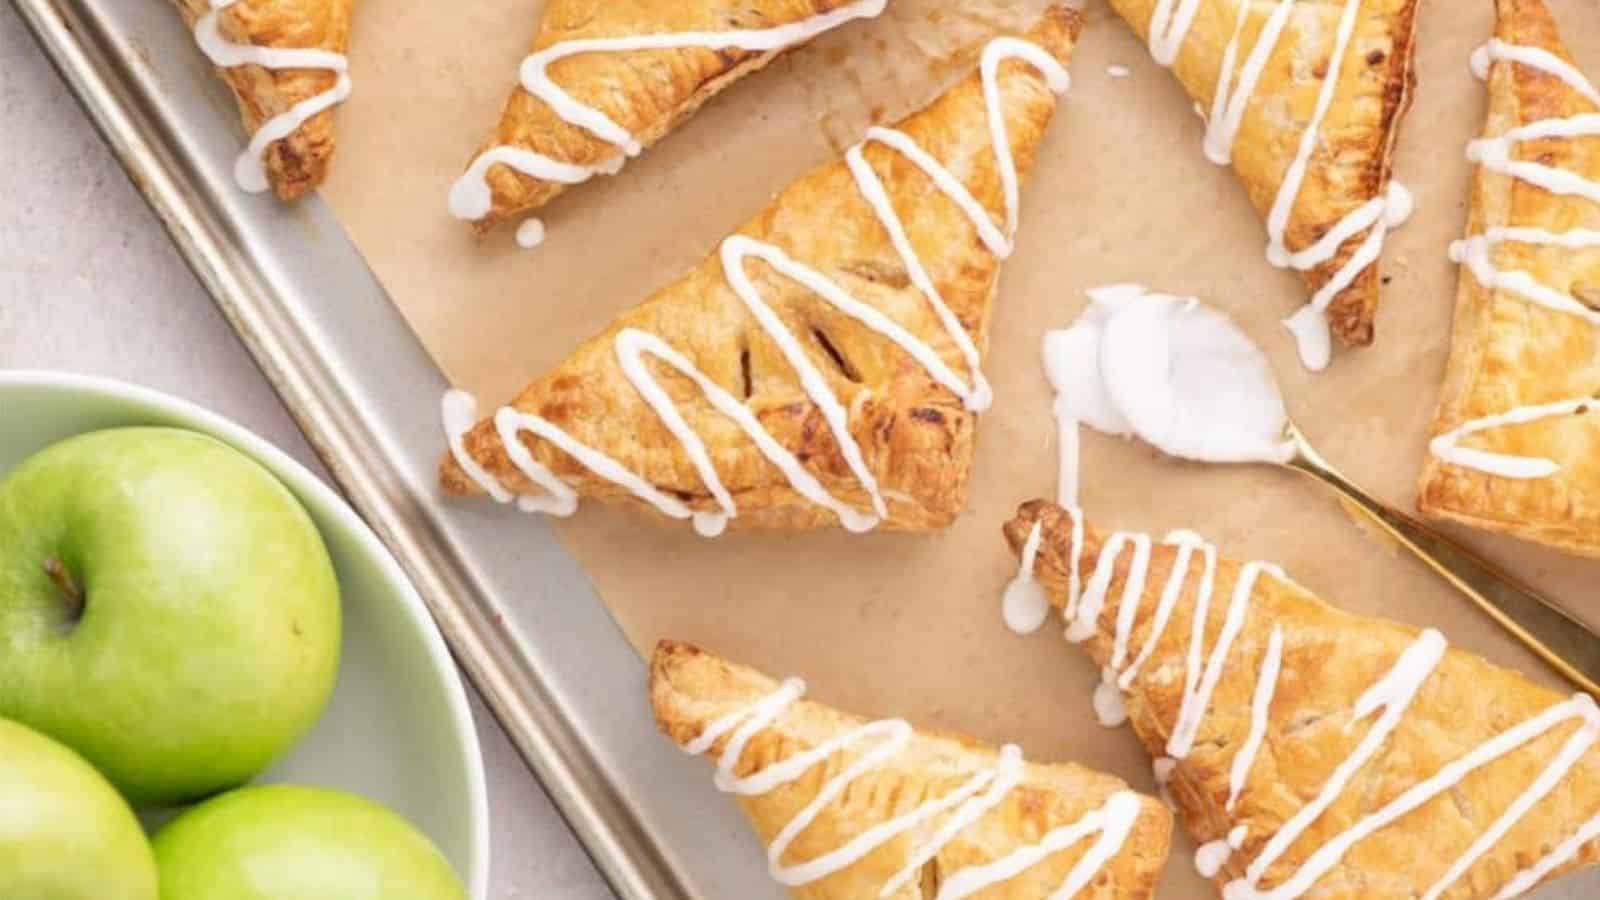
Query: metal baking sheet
[{"x": 553, "y": 666}]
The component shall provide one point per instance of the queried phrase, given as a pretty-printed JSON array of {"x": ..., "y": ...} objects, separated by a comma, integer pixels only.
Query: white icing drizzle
[
  {"x": 633, "y": 344},
  {"x": 1476, "y": 254},
  {"x": 1025, "y": 605},
  {"x": 1260, "y": 707},
  {"x": 886, "y": 739},
  {"x": 249, "y": 170},
  {"x": 471, "y": 197},
  {"x": 1236, "y": 85},
  {"x": 1389, "y": 698}
]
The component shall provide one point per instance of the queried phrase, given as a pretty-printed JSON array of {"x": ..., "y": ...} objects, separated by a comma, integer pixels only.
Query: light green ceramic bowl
[{"x": 398, "y": 729}]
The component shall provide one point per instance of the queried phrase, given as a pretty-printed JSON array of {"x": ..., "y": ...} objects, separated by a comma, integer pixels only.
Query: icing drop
[
  {"x": 1475, "y": 254},
  {"x": 1116, "y": 71},
  {"x": 633, "y": 344},
  {"x": 530, "y": 233},
  {"x": 963, "y": 807},
  {"x": 472, "y": 198},
  {"x": 1025, "y": 605},
  {"x": 1211, "y": 857},
  {"x": 249, "y": 170}
]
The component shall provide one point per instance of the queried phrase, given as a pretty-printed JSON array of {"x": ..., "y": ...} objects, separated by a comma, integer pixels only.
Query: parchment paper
[{"x": 910, "y": 625}]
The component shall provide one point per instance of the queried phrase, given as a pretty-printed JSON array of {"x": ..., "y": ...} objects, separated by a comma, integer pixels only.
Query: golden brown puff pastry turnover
[
  {"x": 1314, "y": 753},
  {"x": 1517, "y": 436},
  {"x": 607, "y": 78},
  {"x": 1305, "y": 100},
  {"x": 822, "y": 367},
  {"x": 285, "y": 63},
  {"x": 852, "y": 809}
]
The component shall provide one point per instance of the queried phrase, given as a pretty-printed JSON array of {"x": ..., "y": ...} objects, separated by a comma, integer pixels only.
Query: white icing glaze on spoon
[
  {"x": 1476, "y": 254},
  {"x": 471, "y": 197},
  {"x": 963, "y": 807},
  {"x": 1176, "y": 373},
  {"x": 1236, "y": 85},
  {"x": 249, "y": 170},
  {"x": 632, "y": 344}
]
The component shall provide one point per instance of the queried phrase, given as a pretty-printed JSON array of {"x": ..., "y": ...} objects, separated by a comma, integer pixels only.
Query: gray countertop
[{"x": 89, "y": 283}]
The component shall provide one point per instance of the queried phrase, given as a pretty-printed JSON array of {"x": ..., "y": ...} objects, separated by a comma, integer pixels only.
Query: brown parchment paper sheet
[{"x": 909, "y": 624}]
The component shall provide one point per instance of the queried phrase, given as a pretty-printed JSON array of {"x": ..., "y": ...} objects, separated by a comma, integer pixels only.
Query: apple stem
[{"x": 64, "y": 582}]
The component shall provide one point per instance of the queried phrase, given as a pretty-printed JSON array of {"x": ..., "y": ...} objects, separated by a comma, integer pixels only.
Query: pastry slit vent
[
  {"x": 1588, "y": 295},
  {"x": 632, "y": 344},
  {"x": 844, "y": 365},
  {"x": 1170, "y": 23},
  {"x": 249, "y": 170},
  {"x": 1476, "y": 255},
  {"x": 472, "y": 198},
  {"x": 746, "y": 378},
  {"x": 1376, "y": 716},
  {"x": 937, "y": 821}
]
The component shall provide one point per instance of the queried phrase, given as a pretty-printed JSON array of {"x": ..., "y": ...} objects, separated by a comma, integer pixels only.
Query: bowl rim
[{"x": 316, "y": 492}]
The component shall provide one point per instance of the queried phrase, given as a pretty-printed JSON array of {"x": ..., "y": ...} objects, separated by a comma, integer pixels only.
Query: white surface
[{"x": 88, "y": 282}]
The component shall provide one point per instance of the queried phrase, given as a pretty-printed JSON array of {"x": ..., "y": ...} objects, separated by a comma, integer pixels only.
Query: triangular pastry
[
  {"x": 606, "y": 79},
  {"x": 1305, "y": 99},
  {"x": 852, "y": 809},
  {"x": 1312, "y": 752},
  {"x": 822, "y": 366},
  {"x": 285, "y": 62},
  {"x": 1516, "y": 444}
]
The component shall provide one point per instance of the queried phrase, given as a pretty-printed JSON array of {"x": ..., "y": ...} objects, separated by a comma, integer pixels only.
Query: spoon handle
[{"x": 1560, "y": 640}]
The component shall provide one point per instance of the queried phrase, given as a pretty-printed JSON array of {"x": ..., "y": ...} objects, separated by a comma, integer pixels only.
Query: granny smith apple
[
  {"x": 65, "y": 833},
  {"x": 167, "y": 609},
  {"x": 285, "y": 842}
]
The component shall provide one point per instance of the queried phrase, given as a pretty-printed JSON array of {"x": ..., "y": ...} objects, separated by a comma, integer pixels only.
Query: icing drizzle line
[
  {"x": 632, "y": 344},
  {"x": 1236, "y": 84},
  {"x": 1385, "y": 703},
  {"x": 471, "y": 197},
  {"x": 249, "y": 170},
  {"x": 1475, "y": 253},
  {"x": 885, "y": 740}
]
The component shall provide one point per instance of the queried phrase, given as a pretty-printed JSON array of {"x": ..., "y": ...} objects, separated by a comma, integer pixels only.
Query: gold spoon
[{"x": 1545, "y": 628}]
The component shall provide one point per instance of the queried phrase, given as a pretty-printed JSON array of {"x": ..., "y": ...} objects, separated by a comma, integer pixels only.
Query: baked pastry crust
[
  {"x": 297, "y": 164},
  {"x": 1508, "y": 351},
  {"x": 690, "y": 689},
  {"x": 1352, "y": 162},
  {"x": 647, "y": 92},
  {"x": 916, "y": 436},
  {"x": 1330, "y": 659}
]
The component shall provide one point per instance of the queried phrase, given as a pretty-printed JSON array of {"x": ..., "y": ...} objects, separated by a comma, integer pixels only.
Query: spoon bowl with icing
[{"x": 1185, "y": 379}]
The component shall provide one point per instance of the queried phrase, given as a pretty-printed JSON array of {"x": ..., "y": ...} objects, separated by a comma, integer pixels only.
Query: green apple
[
  {"x": 167, "y": 609},
  {"x": 285, "y": 842},
  {"x": 65, "y": 833}
]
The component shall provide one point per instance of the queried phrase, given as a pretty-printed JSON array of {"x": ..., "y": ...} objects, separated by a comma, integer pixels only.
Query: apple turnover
[
  {"x": 854, "y": 809},
  {"x": 823, "y": 366},
  {"x": 285, "y": 63},
  {"x": 1516, "y": 445},
  {"x": 1304, "y": 98},
  {"x": 606, "y": 79},
  {"x": 1314, "y": 753}
]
